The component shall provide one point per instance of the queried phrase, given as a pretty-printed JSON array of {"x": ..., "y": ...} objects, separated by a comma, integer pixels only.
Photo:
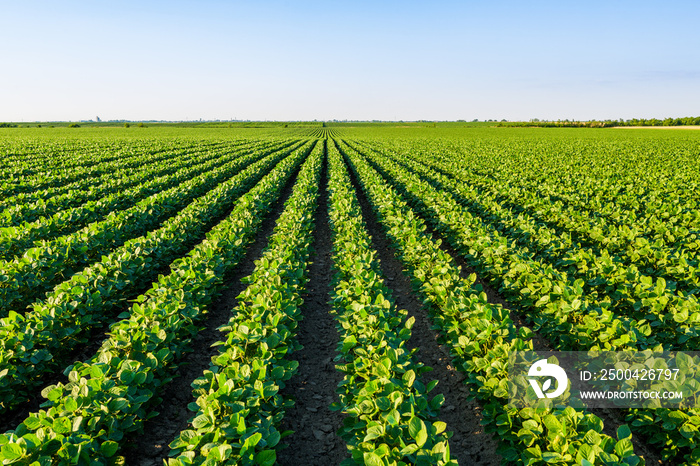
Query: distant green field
[{"x": 119, "y": 245}]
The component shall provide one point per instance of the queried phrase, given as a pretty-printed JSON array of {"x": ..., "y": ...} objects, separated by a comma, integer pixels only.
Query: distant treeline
[{"x": 687, "y": 121}]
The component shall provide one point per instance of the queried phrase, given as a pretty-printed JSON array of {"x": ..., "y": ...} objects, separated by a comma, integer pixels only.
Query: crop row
[
  {"x": 47, "y": 194},
  {"x": 35, "y": 344},
  {"x": 14, "y": 241},
  {"x": 112, "y": 393},
  {"x": 239, "y": 407},
  {"x": 668, "y": 255},
  {"x": 390, "y": 419},
  {"x": 606, "y": 283},
  {"x": 69, "y": 177},
  {"x": 24, "y": 279},
  {"x": 644, "y": 192},
  {"x": 670, "y": 252},
  {"x": 118, "y": 181},
  {"x": 57, "y": 159},
  {"x": 572, "y": 319},
  {"x": 589, "y": 266}
]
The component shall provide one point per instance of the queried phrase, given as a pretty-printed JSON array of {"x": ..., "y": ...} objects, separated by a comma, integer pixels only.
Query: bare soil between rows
[{"x": 314, "y": 441}]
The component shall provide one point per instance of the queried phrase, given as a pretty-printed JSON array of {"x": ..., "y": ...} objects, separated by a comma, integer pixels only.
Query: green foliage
[
  {"x": 28, "y": 353},
  {"x": 252, "y": 364},
  {"x": 582, "y": 299},
  {"x": 480, "y": 335},
  {"x": 110, "y": 394},
  {"x": 591, "y": 235},
  {"x": 687, "y": 121},
  {"x": 390, "y": 418}
]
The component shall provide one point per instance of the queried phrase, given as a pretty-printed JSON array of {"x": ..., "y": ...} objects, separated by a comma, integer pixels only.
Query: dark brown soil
[
  {"x": 470, "y": 445},
  {"x": 314, "y": 441},
  {"x": 150, "y": 447}
]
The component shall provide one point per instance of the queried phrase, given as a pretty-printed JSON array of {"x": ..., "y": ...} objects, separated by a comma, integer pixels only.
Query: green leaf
[
  {"x": 418, "y": 431},
  {"x": 201, "y": 422},
  {"x": 371, "y": 459},
  {"x": 70, "y": 404},
  {"x": 32, "y": 423},
  {"x": 624, "y": 448},
  {"x": 278, "y": 372},
  {"x": 53, "y": 393},
  {"x": 253, "y": 440},
  {"x": 373, "y": 433},
  {"x": 439, "y": 426},
  {"x": 12, "y": 452},
  {"x": 77, "y": 423},
  {"x": 273, "y": 439},
  {"x": 592, "y": 437},
  {"x": 688, "y": 431},
  {"x": 552, "y": 457},
  {"x": 432, "y": 384},
  {"x": 127, "y": 376},
  {"x": 437, "y": 401},
  {"x": 409, "y": 449},
  {"x": 348, "y": 344},
  {"x": 109, "y": 448},
  {"x": 552, "y": 423},
  {"x": 221, "y": 453},
  {"x": 623, "y": 432},
  {"x": 527, "y": 437},
  {"x": 409, "y": 377},
  {"x": 266, "y": 457}
]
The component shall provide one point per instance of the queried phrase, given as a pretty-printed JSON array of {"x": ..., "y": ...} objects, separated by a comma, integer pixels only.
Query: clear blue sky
[{"x": 299, "y": 60}]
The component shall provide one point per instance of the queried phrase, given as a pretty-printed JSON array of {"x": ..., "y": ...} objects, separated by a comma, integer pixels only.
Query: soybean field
[{"x": 337, "y": 294}]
